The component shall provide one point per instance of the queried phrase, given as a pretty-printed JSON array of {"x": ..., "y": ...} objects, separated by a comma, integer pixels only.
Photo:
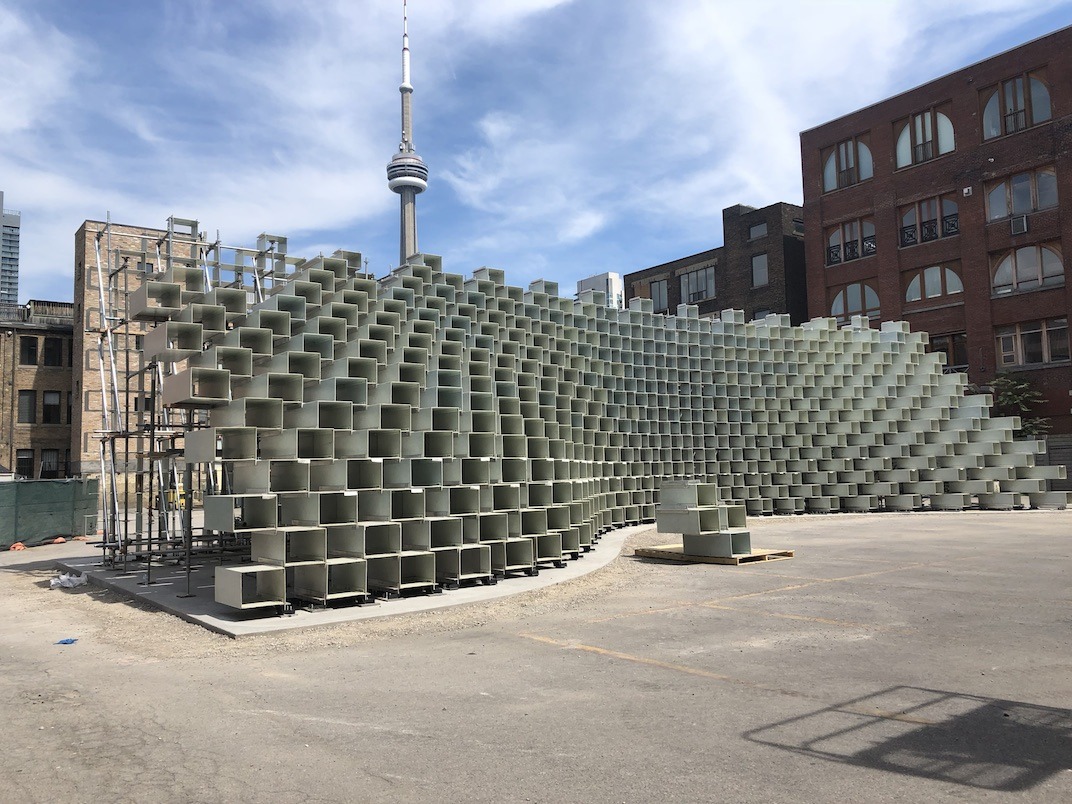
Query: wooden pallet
[{"x": 673, "y": 552}]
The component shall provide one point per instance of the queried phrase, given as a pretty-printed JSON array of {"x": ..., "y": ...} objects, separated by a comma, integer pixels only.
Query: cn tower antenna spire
[
  {"x": 407, "y": 174},
  {"x": 406, "y": 88}
]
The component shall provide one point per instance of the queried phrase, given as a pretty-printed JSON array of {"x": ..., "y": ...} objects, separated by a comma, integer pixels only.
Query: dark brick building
[
  {"x": 950, "y": 206},
  {"x": 759, "y": 269}
]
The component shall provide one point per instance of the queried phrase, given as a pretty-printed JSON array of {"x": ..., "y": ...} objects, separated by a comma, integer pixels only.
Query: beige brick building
[
  {"x": 37, "y": 404},
  {"x": 125, "y": 254}
]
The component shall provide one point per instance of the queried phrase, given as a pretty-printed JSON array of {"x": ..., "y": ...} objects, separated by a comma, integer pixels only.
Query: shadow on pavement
[{"x": 964, "y": 739}]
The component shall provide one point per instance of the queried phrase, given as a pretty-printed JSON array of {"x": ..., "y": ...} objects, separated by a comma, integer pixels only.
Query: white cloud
[
  {"x": 38, "y": 64},
  {"x": 555, "y": 130},
  {"x": 689, "y": 107},
  {"x": 584, "y": 224},
  {"x": 532, "y": 187},
  {"x": 480, "y": 19},
  {"x": 249, "y": 116}
]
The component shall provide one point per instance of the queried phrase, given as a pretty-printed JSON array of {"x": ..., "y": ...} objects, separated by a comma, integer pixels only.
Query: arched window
[
  {"x": 850, "y": 241},
  {"x": 929, "y": 219},
  {"x": 847, "y": 163},
  {"x": 858, "y": 298},
  {"x": 1029, "y": 268},
  {"x": 933, "y": 282},
  {"x": 924, "y": 136},
  {"x": 1015, "y": 104},
  {"x": 1022, "y": 194},
  {"x": 909, "y": 232}
]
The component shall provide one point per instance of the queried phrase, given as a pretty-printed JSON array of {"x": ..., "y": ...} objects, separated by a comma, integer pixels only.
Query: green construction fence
[{"x": 37, "y": 511}]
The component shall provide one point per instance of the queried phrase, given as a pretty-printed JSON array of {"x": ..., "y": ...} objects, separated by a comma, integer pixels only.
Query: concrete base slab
[{"x": 168, "y": 590}]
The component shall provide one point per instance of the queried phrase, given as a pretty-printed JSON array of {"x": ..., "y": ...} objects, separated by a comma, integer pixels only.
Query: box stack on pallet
[
  {"x": 711, "y": 531},
  {"x": 708, "y": 527},
  {"x": 381, "y": 436}
]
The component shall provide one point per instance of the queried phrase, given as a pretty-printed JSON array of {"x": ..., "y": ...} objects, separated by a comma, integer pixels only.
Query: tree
[{"x": 1015, "y": 395}]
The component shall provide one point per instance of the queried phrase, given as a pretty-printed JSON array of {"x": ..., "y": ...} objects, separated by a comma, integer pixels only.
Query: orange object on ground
[
  {"x": 59, "y": 540},
  {"x": 17, "y": 546}
]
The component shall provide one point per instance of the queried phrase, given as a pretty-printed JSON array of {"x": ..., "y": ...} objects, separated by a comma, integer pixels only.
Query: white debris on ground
[{"x": 68, "y": 580}]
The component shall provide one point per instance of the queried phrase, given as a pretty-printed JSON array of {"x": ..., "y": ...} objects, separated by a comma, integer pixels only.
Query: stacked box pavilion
[{"x": 377, "y": 436}]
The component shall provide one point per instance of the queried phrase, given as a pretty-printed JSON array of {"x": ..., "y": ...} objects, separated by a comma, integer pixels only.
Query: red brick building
[{"x": 950, "y": 206}]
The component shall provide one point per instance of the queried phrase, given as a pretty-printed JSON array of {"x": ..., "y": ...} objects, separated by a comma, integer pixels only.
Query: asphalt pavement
[{"x": 897, "y": 657}]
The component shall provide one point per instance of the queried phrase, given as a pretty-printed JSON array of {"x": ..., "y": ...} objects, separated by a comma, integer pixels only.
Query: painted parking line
[
  {"x": 628, "y": 657},
  {"x": 719, "y": 677},
  {"x": 642, "y": 612},
  {"x": 775, "y": 590},
  {"x": 807, "y": 618}
]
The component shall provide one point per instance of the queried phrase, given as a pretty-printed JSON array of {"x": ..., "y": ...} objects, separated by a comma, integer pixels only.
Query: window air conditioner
[{"x": 1018, "y": 225}]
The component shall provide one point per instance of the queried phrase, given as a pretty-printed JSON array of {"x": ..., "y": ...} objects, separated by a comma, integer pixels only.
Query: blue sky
[{"x": 564, "y": 137}]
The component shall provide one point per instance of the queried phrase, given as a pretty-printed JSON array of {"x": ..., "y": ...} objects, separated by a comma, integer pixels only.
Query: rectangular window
[
  {"x": 24, "y": 462},
  {"x": 955, "y": 348},
  {"x": 757, "y": 230},
  {"x": 50, "y": 463},
  {"x": 70, "y": 407},
  {"x": 1057, "y": 339},
  {"x": 1032, "y": 343},
  {"x": 760, "y": 314},
  {"x": 50, "y": 408},
  {"x": 1006, "y": 346},
  {"x": 1022, "y": 194},
  {"x": 658, "y": 295},
  {"x": 53, "y": 352},
  {"x": 1012, "y": 94},
  {"x": 27, "y": 407},
  {"x": 759, "y": 271},
  {"x": 698, "y": 285},
  {"x": 28, "y": 350}
]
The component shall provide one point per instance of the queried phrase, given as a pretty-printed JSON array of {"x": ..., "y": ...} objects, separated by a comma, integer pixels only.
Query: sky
[{"x": 564, "y": 137}]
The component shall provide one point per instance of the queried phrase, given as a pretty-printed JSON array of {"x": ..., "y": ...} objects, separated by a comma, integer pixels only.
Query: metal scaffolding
[{"x": 160, "y": 304}]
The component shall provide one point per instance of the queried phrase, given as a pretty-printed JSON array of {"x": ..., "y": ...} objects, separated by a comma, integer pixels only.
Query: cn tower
[{"x": 407, "y": 174}]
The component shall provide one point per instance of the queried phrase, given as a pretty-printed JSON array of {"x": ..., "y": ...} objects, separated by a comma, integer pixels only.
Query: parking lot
[{"x": 896, "y": 657}]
